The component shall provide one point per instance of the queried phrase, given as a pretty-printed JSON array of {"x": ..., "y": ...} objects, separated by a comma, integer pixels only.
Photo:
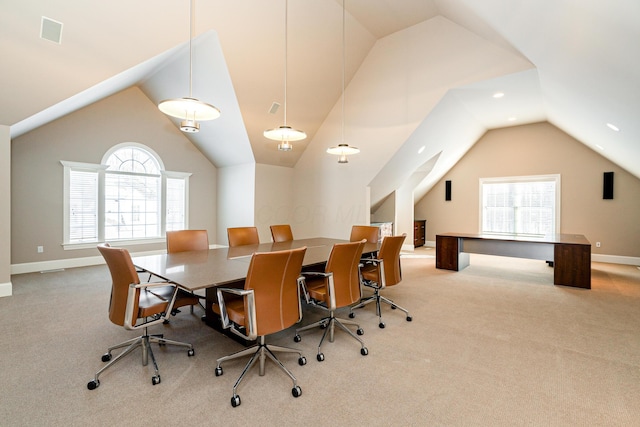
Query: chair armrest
[
  {"x": 380, "y": 269},
  {"x": 131, "y": 300},
  {"x": 250, "y": 311},
  {"x": 302, "y": 288},
  {"x": 330, "y": 285},
  {"x": 302, "y": 283}
]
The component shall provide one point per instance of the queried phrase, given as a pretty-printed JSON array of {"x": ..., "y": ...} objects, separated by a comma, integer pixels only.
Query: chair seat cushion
[
  {"x": 183, "y": 298},
  {"x": 150, "y": 304},
  {"x": 369, "y": 272},
  {"x": 235, "y": 310},
  {"x": 317, "y": 288}
]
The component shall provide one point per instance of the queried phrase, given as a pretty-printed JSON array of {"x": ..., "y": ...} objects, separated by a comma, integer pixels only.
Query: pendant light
[
  {"x": 343, "y": 149},
  {"x": 285, "y": 134},
  {"x": 189, "y": 109}
]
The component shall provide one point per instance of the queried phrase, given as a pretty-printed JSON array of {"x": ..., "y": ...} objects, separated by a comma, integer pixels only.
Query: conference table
[
  {"x": 228, "y": 266},
  {"x": 570, "y": 254}
]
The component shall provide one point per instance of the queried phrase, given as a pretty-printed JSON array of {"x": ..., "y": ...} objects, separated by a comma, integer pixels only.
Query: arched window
[{"x": 128, "y": 197}]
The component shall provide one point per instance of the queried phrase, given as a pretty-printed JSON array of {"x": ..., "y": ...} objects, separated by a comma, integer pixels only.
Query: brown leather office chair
[
  {"x": 185, "y": 241},
  {"x": 367, "y": 232},
  {"x": 337, "y": 287},
  {"x": 281, "y": 233},
  {"x": 270, "y": 303},
  {"x": 382, "y": 272},
  {"x": 239, "y": 236},
  {"x": 135, "y": 306}
]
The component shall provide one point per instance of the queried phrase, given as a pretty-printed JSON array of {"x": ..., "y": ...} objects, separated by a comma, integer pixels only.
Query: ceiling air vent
[
  {"x": 274, "y": 108},
  {"x": 51, "y": 30}
]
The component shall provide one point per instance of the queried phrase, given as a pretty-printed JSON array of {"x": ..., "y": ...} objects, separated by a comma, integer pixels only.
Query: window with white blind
[
  {"x": 527, "y": 205},
  {"x": 128, "y": 197}
]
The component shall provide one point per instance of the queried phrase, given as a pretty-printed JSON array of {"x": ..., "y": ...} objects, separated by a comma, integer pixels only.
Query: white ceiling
[{"x": 584, "y": 56}]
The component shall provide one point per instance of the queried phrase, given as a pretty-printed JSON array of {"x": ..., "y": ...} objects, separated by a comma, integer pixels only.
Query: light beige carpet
[{"x": 496, "y": 344}]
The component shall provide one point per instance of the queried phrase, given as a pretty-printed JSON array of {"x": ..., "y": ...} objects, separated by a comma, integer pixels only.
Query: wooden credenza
[{"x": 419, "y": 232}]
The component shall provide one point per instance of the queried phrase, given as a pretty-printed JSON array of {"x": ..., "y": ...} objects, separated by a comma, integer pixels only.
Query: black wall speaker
[
  {"x": 607, "y": 186},
  {"x": 447, "y": 190}
]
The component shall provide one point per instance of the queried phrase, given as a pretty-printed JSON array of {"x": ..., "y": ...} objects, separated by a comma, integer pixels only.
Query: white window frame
[
  {"x": 529, "y": 178},
  {"x": 100, "y": 169}
]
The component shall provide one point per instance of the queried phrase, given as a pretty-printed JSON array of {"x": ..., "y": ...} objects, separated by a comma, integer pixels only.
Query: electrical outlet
[
  {"x": 597, "y": 244},
  {"x": 40, "y": 249}
]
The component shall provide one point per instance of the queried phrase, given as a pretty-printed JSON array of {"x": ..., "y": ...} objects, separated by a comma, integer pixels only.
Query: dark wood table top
[{"x": 214, "y": 267}]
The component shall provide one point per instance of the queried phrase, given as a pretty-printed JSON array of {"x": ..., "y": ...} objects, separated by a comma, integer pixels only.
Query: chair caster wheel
[
  {"x": 302, "y": 361},
  {"x": 381, "y": 325},
  {"x": 393, "y": 307},
  {"x": 219, "y": 371},
  {"x": 409, "y": 318},
  {"x": 360, "y": 331},
  {"x": 155, "y": 380},
  {"x": 297, "y": 338},
  {"x": 352, "y": 315},
  {"x": 191, "y": 352},
  {"x": 296, "y": 391},
  {"x": 235, "y": 401},
  {"x": 93, "y": 384},
  {"x": 364, "y": 351},
  {"x": 106, "y": 357},
  {"x": 323, "y": 326},
  {"x": 320, "y": 357}
]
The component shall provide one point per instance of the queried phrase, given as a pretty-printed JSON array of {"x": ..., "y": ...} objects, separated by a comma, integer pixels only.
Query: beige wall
[
  {"x": 5, "y": 212},
  {"x": 236, "y": 199},
  {"x": 85, "y": 136},
  {"x": 380, "y": 117},
  {"x": 539, "y": 149},
  {"x": 274, "y": 199}
]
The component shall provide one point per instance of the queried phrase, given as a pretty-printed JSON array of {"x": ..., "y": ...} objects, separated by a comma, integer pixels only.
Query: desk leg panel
[
  {"x": 447, "y": 253},
  {"x": 572, "y": 265}
]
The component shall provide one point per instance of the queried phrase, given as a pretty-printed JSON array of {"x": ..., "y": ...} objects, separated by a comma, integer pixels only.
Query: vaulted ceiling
[{"x": 585, "y": 67}]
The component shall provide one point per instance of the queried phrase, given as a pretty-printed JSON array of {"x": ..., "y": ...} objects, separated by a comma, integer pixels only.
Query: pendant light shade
[
  {"x": 343, "y": 149},
  {"x": 189, "y": 109},
  {"x": 285, "y": 134}
]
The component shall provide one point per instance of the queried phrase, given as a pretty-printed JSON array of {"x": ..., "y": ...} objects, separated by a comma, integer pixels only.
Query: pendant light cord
[
  {"x": 191, "y": 48},
  {"x": 344, "y": 59},
  {"x": 286, "y": 38}
]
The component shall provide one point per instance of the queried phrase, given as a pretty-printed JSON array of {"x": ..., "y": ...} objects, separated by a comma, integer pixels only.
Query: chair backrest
[
  {"x": 343, "y": 263},
  {"x": 281, "y": 233},
  {"x": 273, "y": 276},
  {"x": 239, "y": 236},
  {"x": 123, "y": 273},
  {"x": 187, "y": 240},
  {"x": 390, "y": 254},
  {"x": 368, "y": 232}
]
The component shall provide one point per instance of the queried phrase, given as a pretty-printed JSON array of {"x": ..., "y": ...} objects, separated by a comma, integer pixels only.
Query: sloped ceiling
[{"x": 585, "y": 68}]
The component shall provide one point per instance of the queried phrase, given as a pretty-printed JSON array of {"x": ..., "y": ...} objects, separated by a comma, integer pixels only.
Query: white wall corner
[{"x": 6, "y": 289}]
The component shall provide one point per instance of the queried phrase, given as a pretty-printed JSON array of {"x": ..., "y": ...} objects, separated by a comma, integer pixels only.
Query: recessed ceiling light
[
  {"x": 498, "y": 95},
  {"x": 421, "y": 149},
  {"x": 512, "y": 119},
  {"x": 613, "y": 127}
]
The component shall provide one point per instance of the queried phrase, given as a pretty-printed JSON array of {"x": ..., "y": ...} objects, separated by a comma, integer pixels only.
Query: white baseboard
[
  {"x": 611, "y": 259},
  {"x": 6, "y": 289},
  {"x": 616, "y": 259},
  {"x": 61, "y": 264}
]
